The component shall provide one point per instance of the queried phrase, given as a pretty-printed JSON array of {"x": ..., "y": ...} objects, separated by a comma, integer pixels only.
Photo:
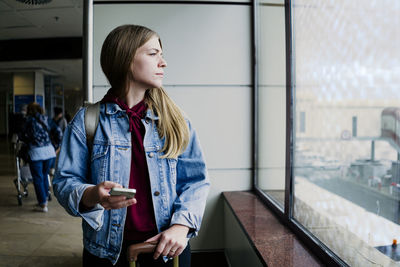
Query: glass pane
[
  {"x": 272, "y": 100},
  {"x": 347, "y": 134}
]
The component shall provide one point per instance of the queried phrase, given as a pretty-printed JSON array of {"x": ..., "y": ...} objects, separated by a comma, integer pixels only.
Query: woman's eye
[{"x": 153, "y": 54}]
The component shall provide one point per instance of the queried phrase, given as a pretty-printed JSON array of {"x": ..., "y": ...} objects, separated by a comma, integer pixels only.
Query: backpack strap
[{"x": 92, "y": 115}]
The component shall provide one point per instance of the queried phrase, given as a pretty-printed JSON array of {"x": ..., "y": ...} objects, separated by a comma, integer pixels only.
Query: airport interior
[{"x": 296, "y": 104}]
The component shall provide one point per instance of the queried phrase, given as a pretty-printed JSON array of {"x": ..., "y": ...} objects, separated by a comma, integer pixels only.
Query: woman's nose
[{"x": 162, "y": 63}]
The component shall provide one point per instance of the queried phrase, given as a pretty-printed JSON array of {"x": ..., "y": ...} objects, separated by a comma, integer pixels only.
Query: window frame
[{"x": 285, "y": 215}]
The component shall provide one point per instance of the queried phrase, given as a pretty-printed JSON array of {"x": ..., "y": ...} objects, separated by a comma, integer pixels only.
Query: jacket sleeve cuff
[
  {"x": 185, "y": 218},
  {"x": 94, "y": 216}
]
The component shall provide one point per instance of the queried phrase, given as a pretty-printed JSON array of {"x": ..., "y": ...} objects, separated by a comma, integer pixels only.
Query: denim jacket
[{"x": 179, "y": 187}]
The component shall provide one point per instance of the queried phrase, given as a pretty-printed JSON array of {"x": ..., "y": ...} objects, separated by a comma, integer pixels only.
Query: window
[
  {"x": 343, "y": 169},
  {"x": 302, "y": 122},
  {"x": 354, "y": 121},
  {"x": 271, "y": 101}
]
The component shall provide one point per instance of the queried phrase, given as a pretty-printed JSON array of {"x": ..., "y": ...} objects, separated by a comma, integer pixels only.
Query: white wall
[{"x": 208, "y": 50}]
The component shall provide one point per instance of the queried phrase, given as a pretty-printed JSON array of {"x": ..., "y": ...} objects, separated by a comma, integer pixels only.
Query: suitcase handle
[
  {"x": 145, "y": 247},
  {"x": 136, "y": 249}
]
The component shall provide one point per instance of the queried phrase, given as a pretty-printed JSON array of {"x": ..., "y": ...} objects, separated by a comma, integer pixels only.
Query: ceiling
[{"x": 59, "y": 18}]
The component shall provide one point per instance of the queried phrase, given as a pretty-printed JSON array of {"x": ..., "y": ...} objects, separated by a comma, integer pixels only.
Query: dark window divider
[{"x": 254, "y": 57}]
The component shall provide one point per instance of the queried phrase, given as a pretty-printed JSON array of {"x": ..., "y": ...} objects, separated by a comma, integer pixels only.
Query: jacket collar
[
  {"x": 150, "y": 114},
  {"x": 112, "y": 108}
]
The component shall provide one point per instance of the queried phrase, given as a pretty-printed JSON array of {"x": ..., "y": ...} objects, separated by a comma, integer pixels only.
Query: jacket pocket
[
  {"x": 99, "y": 151},
  {"x": 99, "y": 163}
]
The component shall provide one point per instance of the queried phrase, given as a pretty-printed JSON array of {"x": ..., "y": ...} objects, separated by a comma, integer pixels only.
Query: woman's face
[{"x": 148, "y": 65}]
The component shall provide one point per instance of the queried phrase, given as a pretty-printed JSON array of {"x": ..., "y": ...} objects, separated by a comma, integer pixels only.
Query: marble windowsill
[{"x": 274, "y": 243}]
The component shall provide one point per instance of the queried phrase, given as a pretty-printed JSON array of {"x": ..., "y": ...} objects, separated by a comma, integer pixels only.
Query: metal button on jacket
[
  {"x": 157, "y": 193},
  {"x": 151, "y": 154}
]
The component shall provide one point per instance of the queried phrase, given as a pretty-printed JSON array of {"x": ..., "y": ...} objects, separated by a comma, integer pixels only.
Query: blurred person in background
[
  {"x": 57, "y": 126},
  {"x": 59, "y": 118},
  {"x": 41, "y": 152},
  {"x": 68, "y": 117}
]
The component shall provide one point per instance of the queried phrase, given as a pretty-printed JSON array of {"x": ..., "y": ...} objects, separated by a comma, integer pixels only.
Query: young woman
[
  {"x": 144, "y": 142},
  {"x": 41, "y": 154}
]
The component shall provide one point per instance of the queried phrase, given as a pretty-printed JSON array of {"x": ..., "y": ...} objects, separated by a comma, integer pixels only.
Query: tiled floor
[{"x": 29, "y": 238}]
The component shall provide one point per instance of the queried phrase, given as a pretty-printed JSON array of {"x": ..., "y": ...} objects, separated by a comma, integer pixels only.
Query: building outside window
[
  {"x": 344, "y": 167},
  {"x": 302, "y": 122},
  {"x": 354, "y": 126}
]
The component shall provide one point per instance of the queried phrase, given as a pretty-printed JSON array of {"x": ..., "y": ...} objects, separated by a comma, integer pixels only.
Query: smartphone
[{"x": 128, "y": 192}]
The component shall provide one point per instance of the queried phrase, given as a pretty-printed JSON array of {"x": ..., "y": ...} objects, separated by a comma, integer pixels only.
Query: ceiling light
[{"x": 35, "y": 2}]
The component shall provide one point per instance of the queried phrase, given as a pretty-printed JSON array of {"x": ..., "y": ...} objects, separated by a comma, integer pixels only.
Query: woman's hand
[
  {"x": 171, "y": 242},
  {"x": 100, "y": 194}
]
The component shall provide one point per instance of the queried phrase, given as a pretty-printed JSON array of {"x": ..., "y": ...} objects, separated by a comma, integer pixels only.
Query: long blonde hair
[{"x": 117, "y": 54}]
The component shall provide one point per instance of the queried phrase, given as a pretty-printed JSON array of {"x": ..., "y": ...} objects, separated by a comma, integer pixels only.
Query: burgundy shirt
[{"x": 140, "y": 221}]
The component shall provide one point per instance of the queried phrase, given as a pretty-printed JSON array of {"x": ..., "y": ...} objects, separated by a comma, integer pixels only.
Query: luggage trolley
[
  {"x": 24, "y": 176},
  {"x": 23, "y": 173},
  {"x": 145, "y": 247}
]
